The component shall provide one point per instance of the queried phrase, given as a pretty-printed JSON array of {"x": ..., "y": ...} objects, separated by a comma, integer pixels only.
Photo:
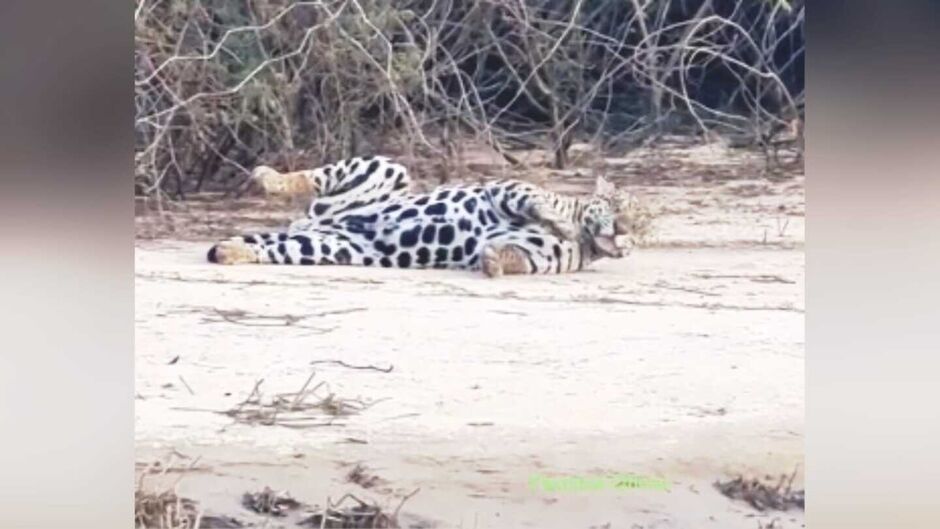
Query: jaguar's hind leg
[
  {"x": 336, "y": 188},
  {"x": 505, "y": 259},
  {"x": 315, "y": 247},
  {"x": 543, "y": 212}
]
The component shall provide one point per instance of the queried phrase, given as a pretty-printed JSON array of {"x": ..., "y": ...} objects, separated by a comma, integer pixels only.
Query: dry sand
[{"x": 684, "y": 362}]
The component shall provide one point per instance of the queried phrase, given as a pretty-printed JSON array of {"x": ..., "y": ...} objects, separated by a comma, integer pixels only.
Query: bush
[{"x": 223, "y": 86}]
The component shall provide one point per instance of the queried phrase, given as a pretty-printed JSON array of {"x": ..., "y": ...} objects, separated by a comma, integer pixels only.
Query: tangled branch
[{"x": 223, "y": 86}]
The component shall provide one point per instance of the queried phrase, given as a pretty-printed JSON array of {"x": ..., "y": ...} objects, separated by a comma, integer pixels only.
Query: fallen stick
[{"x": 350, "y": 366}]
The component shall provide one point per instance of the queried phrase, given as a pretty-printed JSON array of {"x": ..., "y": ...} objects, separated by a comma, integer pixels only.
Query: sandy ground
[{"x": 683, "y": 362}]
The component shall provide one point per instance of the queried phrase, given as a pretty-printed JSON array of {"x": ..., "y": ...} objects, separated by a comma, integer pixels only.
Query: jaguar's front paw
[
  {"x": 625, "y": 244},
  {"x": 232, "y": 252}
]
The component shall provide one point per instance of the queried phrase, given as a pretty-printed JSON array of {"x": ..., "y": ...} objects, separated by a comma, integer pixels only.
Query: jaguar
[{"x": 364, "y": 212}]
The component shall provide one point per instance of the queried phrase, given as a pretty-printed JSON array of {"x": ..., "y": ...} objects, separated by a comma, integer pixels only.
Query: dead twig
[
  {"x": 183, "y": 380},
  {"x": 304, "y": 408},
  {"x": 350, "y": 366},
  {"x": 360, "y": 515}
]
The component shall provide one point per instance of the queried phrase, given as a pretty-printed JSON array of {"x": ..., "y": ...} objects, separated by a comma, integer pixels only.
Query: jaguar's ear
[{"x": 603, "y": 187}]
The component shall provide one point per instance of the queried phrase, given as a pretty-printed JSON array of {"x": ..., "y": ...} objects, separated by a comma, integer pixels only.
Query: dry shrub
[
  {"x": 167, "y": 510},
  {"x": 350, "y": 512},
  {"x": 270, "y": 502},
  {"x": 764, "y": 494},
  {"x": 362, "y": 476},
  {"x": 164, "y": 510},
  {"x": 221, "y": 86}
]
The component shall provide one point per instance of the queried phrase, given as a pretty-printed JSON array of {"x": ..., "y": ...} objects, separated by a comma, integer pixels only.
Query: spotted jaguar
[{"x": 364, "y": 212}]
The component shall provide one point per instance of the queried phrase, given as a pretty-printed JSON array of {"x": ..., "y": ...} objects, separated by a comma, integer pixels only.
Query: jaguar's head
[
  {"x": 609, "y": 219},
  {"x": 598, "y": 214}
]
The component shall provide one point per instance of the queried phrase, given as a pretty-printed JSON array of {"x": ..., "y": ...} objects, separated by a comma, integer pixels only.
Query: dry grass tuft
[
  {"x": 270, "y": 502},
  {"x": 164, "y": 510},
  {"x": 305, "y": 408},
  {"x": 362, "y": 476}
]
